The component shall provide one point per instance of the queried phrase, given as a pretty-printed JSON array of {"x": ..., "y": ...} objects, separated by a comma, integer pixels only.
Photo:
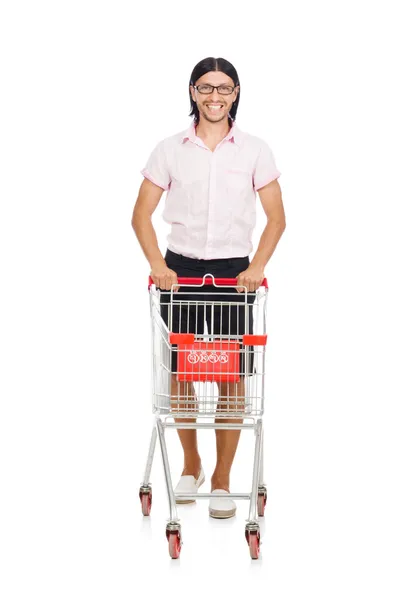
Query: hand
[
  {"x": 163, "y": 277},
  {"x": 251, "y": 278}
]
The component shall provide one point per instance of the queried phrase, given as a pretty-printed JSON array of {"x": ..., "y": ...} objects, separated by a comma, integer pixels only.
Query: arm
[
  {"x": 148, "y": 199},
  {"x": 271, "y": 200}
]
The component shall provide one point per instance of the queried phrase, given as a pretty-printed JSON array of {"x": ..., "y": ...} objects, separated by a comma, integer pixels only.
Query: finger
[
  {"x": 165, "y": 282},
  {"x": 171, "y": 281},
  {"x": 174, "y": 279},
  {"x": 168, "y": 282},
  {"x": 247, "y": 283},
  {"x": 243, "y": 283},
  {"x": 157, "y": 281}
]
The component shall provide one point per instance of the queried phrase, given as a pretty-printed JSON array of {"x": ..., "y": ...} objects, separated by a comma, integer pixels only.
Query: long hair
[{"x": 213, "y": 64}]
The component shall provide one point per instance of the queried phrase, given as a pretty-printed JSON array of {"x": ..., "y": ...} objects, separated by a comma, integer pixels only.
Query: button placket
[{"x": 211, "y": 205}]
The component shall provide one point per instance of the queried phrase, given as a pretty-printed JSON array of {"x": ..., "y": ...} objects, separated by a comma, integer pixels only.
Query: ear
[{"x": 192, "y": 93}]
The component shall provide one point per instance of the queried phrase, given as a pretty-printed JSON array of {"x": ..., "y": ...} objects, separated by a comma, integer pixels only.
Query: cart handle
[{"x": 209, "y": 280}]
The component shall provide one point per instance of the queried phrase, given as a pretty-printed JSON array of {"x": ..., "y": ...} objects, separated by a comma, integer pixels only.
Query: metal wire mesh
[{"x": 202, "y": 364}]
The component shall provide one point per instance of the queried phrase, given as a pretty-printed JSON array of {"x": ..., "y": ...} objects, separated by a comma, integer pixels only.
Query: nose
[{"x": 215, "y": 96}]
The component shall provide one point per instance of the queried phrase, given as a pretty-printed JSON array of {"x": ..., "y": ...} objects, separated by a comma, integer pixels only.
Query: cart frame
[{"x": 166, "y": 406}]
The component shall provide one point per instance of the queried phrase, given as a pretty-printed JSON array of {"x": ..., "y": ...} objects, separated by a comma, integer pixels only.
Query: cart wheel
[
  {"x": 253, "y": 543},
  {"x": 262, "y": 497},
  {"x": 145, "y": 496},
  {"x": 174, "y": 543}
]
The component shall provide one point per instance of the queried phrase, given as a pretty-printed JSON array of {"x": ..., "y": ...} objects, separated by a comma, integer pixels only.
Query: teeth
[{"x": 214, "y": 106}]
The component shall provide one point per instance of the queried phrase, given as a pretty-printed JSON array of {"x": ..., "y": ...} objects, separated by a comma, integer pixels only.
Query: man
[{"x": 211, "y": 172}]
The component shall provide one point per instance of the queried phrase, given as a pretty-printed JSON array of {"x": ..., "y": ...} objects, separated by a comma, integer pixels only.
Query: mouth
[{"x": 214, "y": 108}]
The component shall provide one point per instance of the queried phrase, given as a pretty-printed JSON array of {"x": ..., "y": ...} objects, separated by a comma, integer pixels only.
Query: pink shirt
[{"x": 211, "y": 196}]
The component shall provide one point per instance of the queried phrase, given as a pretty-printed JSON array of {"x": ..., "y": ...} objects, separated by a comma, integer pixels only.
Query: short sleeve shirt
[{"x": 211, "y": 196}]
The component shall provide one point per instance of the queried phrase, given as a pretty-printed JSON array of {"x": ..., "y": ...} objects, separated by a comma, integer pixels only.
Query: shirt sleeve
[
  {"x": 156, "y": 169},
  {"x": 265, "y": 168}
]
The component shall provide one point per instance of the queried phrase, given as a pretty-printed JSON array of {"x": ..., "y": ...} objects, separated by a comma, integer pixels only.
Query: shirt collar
[{"x": 190, "y": 134}]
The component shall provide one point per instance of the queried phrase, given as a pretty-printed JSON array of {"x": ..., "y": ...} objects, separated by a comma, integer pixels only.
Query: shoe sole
[
  {"x": 190, "y": 501},
  {"x": 221, "y": 514}
]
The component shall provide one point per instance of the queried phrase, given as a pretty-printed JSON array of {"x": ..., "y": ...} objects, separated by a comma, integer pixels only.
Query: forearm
[
  {"x": 144, "y": 231},
  {"x": 268, "y": 242}
]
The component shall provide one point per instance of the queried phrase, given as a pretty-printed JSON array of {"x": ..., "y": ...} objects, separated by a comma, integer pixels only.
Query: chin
[{"x": 214, "y": 118}]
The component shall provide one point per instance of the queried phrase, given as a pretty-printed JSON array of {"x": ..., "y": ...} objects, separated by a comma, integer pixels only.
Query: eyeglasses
[{"x": 204, "y": 88}]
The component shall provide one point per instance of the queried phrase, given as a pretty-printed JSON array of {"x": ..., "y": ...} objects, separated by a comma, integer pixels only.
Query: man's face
[{"x": 214, "y": 107}]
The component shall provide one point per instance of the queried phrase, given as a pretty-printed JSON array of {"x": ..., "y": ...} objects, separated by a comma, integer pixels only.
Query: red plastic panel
[
  {"x": 254, "y": 340},
  {"x": 209, "y": 361},
  {"x": 181, "y": 338}
]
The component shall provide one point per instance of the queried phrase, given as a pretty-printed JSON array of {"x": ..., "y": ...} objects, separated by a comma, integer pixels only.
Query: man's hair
[{"x": 213, "y": 64}]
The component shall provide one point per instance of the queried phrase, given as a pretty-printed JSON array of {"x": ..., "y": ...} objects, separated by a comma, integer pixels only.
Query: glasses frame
[{"x": 214, "y": 87}]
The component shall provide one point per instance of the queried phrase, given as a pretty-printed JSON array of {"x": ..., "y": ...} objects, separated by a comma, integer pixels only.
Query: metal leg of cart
[
  {"x": 173, "y": 530},
  {"x": 252, "y": 530},
  {"x": 145, "y": 491},
  {"x": 149, "y": 461},
  {"x": 262, "y": 490}
]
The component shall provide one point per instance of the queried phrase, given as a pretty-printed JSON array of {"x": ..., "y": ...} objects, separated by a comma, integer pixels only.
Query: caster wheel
[
  {"x": 145, "y": 496},
  {"x": 253, "y": 539},
  {"x": 174, "y": 543},
  {"x": 262, "y": 497}
]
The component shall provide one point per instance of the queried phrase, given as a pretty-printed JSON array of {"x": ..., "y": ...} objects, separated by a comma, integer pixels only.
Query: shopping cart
[{"x": 201, "y": 371}]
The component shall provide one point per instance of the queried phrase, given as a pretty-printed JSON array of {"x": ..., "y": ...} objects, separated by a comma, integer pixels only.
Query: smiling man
[{"x": 211, "y": 173}]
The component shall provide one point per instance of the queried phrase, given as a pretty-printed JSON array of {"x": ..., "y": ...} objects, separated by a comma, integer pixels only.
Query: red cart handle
[{"x": 231, "y": 282}]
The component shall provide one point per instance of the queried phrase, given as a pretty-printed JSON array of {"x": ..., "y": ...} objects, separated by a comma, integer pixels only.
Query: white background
[{"x": 87, "y": 90}]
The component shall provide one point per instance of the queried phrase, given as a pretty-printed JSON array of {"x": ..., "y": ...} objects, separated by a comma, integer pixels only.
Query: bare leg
[
  {"x": 231, "y": 399},
  {"x": 181, "y": 392}
]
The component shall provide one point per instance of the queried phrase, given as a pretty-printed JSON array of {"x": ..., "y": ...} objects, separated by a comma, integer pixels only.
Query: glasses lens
[
  {"x": 205, "y": 89},
  {"x": 225, "y": 89},
  {"x": 208, "y": 89}
]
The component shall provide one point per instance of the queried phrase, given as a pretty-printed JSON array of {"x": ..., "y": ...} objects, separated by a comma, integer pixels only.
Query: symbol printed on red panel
[{"x": 202, "y": 356}]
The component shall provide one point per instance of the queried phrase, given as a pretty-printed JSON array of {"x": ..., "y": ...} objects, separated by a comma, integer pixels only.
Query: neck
[{"x": 208, "y": 130}]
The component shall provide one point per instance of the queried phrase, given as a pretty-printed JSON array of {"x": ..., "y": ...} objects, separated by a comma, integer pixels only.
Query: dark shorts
[{"x": 220, "y": 319}]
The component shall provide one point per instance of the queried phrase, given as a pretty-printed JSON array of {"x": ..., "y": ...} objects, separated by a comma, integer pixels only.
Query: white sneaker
[
  {"x": 189, "y": 485},
  {"x": 222, "y": 508}
]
